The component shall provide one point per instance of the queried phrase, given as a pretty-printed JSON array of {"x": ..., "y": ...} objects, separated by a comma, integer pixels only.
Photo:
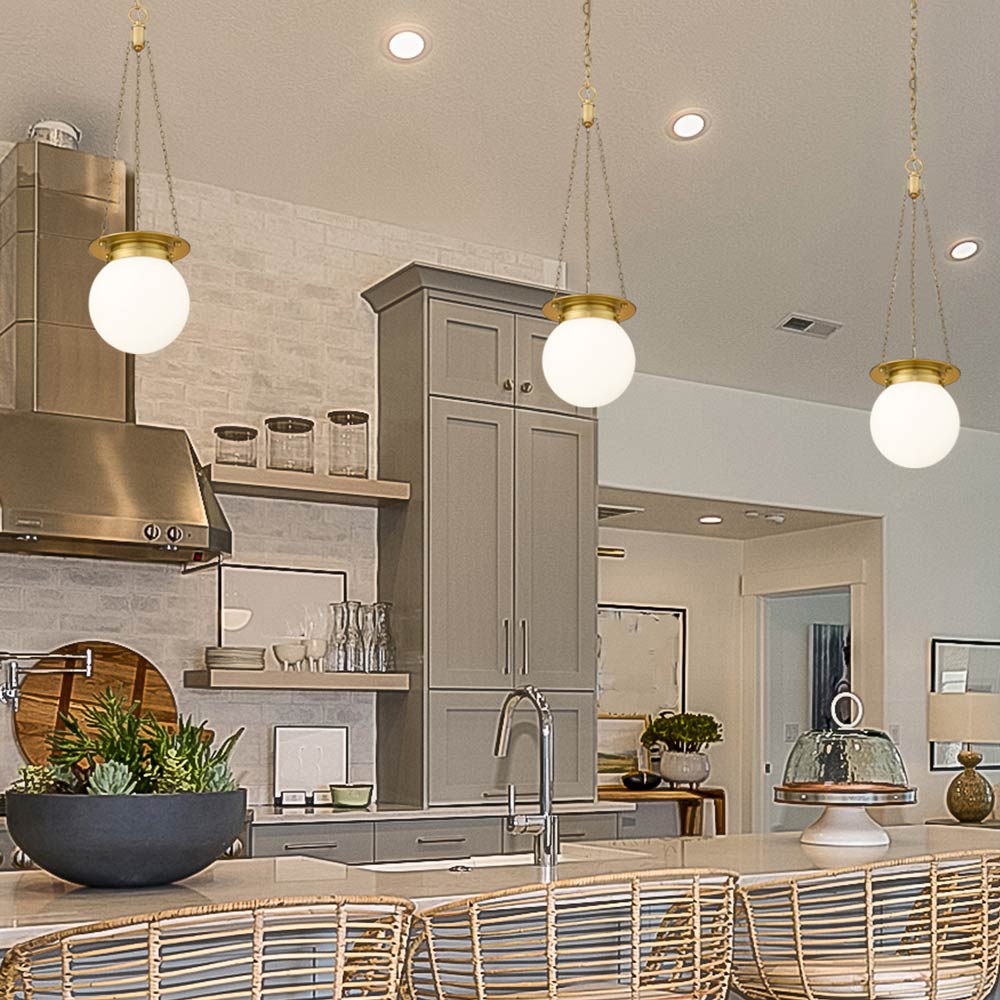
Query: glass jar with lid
[
  {"x": 236, "y": 445},
  {"x": 290, "y": 443},
  {"x": 348, "y": 443}
]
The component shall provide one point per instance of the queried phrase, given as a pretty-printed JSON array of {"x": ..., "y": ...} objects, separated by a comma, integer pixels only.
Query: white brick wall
[{"x": 277, "y": 326}]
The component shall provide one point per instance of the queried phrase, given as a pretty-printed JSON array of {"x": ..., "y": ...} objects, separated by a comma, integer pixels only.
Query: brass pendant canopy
[
  {"x": 565, "y": 307},
  {"x": 914, "y": 370},
  {"x": 139, "y": 243}
]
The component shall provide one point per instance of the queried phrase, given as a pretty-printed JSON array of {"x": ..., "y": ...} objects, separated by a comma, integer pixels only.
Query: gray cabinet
[
  {"x": 471, "y": 352},
  {"x": 513, "y": 537},
  {"x": 555, "y": 570},
  {"x": 650, "y": 819},
  {"x": 425, "y": 840},
  {"x": 531, "y": 389},
  {"x": 349, "y": 843},
  {"x": 470, "y": 610},
  {"x": 462, "y": 768},
  {"x": 491, "y": 566}
]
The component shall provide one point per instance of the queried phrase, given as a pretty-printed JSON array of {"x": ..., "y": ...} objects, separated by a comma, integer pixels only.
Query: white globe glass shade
[
  {"x": 139, "y": 304},
  {"x": 914, "y": 424},
  {"x": 588, "y": 361}
]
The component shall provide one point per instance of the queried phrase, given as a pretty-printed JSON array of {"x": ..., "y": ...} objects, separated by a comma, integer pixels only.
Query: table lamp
[{"x": 967, "y": 717}]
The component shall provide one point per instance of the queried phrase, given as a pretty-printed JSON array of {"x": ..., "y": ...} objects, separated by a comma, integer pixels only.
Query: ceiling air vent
[
  {"x": 606, "y": 510},
  {"x": 811, "y": 326}
]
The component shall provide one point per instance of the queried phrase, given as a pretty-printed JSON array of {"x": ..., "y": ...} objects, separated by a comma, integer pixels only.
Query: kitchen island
[{"x": 34, "y": 902}]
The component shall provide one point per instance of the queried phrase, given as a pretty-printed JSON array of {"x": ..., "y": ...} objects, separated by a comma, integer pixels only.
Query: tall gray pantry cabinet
[{"x": 492, "y": 565}]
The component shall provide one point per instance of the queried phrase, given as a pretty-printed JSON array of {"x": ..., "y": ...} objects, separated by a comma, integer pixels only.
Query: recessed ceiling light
[
  {"x": 964, "y": 249},
  {"x": 775, "y": 518},
  {"x": 688, "y": 124},
  {"x": 710, "y": 519},
  {"x": 407, "y": 42}
]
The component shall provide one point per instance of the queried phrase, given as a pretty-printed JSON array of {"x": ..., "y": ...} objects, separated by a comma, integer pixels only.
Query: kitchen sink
[{"x": 570, "y": 854}]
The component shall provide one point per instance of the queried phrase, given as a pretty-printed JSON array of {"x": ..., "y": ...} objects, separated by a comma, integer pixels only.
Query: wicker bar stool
[
  {"x": 919, "y": 929},
  {"x": 270, "y": 949},
  {"x": 661, "y": 934}
]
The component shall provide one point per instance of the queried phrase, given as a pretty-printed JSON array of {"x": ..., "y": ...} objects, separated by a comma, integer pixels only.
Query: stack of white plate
[{"x": 234, "y": 657}]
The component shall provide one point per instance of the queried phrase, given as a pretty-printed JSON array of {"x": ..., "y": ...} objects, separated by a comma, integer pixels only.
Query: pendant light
[
  {"x": 588, "y": 358},
  {"x": 914, "y": 422},
  {"x": 139, "y": 301}
]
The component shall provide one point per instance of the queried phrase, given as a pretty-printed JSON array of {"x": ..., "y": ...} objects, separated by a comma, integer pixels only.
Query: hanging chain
[
  {"x": 135, "y": 145},
  {"x": 895, "y": 275},
  {"x": 118, "y": 135},
  {"x": 163, "y": 141},
  {"x": 569, "y": 200},
  {"x": 587, "y": 57},
  {"x": 914, "y": 169},
  {"x": 937, "y": 283},
  {"x": 586, "y": 208},
  {"x": 611, "y": 210}
]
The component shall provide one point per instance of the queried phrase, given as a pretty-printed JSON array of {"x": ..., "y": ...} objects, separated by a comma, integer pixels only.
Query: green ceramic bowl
[{"x": 351, "y": 796}]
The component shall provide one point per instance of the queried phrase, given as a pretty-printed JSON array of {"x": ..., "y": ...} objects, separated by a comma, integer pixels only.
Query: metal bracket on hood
[{"x": 10, "y": 689}]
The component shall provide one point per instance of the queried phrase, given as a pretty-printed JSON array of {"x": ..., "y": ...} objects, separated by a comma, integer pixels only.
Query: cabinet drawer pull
[
  {"x": 310, "y": 847},
  {"x": 526, "y": 797},
  {"x": 577, "y": 835},
  {"x": 508, "y": 384},
  {"x": 440, "y": 840},
  {"x": 526, "y": 387},
  {"x": 506, "y": 646},
  {"x": 524, "y": 646}
]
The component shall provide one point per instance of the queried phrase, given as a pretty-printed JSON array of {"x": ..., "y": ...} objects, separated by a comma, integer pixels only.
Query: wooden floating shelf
[
  {"x": 292, "y": 680},
  {"x": 314, "y": 487}
]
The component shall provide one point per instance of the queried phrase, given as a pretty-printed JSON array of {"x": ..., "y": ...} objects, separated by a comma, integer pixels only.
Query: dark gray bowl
[{"x": 117, "y": 841}]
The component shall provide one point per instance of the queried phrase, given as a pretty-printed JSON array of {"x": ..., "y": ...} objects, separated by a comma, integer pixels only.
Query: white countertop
[
  {"x": 376, "y": 812},
  {"x": 33, "y": 902}
]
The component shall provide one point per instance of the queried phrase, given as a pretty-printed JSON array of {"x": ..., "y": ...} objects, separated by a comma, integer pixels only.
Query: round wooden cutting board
[{"x": 45, "y": 696}]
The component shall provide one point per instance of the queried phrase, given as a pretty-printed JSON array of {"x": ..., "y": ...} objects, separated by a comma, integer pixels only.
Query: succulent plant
[
  {"x": 33, "y": 779},
  {"x": 111, "y": 777},
  {"x": 684, "y": 732},
  {"x": 219, "y": 778}
]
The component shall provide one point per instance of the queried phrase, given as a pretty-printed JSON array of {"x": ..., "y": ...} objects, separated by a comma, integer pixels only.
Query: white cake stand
[{"x": 845, "y": 821}]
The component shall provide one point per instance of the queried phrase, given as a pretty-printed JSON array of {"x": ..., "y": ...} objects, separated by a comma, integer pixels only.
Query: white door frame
[{"x": 755, "y": 587}]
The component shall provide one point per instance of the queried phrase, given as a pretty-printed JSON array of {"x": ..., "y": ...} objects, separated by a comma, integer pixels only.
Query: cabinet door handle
[
  {"x": 506, "y": 645},
  {"x": 441, "y": 840},
  {"x": 310, "y": 847},
  {"x": 524, "y": 646},
  {"x": 508, "y": 384},
  {"x": 578, "y": 835},
  {"x": 526, "y": 387}
]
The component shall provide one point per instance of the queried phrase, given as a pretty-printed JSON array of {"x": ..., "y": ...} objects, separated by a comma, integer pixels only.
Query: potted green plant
[
  {"x": 125, "y": 800},
  {"x": 682, "y": 739}
]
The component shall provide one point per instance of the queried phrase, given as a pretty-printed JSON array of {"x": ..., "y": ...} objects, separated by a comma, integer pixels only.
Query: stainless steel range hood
[{"x": 78, "y": 476}]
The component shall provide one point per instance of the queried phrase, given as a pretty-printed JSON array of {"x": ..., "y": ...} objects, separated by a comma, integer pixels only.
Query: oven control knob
[
  {"x": 174, "y": 534},
  {"x": 151, "y": 532}
]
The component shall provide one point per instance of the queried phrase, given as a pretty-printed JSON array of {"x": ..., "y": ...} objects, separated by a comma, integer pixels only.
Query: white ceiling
[{"x": 788, "y": 202}]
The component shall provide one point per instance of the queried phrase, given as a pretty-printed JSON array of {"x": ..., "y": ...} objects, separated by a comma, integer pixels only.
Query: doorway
[{"x": 806, "y": 660}]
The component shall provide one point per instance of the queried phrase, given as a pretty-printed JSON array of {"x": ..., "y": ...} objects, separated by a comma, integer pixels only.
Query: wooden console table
[{"x": 689, "y": 804}]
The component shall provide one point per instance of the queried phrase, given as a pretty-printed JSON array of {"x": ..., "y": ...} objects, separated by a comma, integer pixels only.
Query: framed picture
[
  {"x": 619, "y": 746},
  {"x": 965, "y": 665},
  {"x": 309, "y": 759}
]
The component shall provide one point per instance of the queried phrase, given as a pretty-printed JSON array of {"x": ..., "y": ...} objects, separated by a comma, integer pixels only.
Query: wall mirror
[
  {"x": 641, "y": 659},
  {"x": 960, "y": 665}
]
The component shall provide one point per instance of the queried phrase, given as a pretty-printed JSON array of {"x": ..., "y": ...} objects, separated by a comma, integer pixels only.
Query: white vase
[{"x": 684, "y": 768}]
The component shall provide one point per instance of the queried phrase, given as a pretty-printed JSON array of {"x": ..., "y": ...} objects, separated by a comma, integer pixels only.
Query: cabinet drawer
[
  {"x": 471, "y": 352},
  {"x": 350, "y": 843},
  {"x": 414, "y": 840},
  {"x": 573, "y": 829}
]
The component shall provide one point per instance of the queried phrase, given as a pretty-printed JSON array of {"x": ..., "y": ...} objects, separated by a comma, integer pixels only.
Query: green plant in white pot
[
  {"x": 682, "y": 739},
  {"x": 125, "y": 800}
]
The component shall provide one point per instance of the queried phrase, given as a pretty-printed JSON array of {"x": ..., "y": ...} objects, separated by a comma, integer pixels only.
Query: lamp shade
[{"x": 963, "y": 717}]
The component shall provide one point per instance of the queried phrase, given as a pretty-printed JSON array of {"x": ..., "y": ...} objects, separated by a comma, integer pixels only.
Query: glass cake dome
[{"x": 847, "y": 757}]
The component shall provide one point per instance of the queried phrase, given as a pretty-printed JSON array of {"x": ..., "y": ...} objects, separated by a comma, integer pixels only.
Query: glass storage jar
[
  {"x": 290, "y": 443},
  {"x": 236, "y": 445},
  {"x": 348, "y": 443}
]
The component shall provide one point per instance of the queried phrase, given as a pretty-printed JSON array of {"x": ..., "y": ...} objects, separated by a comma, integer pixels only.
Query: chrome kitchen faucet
[{"x": 544, "y": 825}]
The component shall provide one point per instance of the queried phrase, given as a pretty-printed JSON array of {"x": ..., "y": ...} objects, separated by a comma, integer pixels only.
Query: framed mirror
[
  {"x": 961, "y": 665},
  {"x": 641, "y": 659}
]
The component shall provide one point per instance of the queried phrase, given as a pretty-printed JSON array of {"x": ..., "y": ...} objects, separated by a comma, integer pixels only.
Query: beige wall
[
  {"x": 702, "y": 575},
  {"x": 709, "y": 577}
]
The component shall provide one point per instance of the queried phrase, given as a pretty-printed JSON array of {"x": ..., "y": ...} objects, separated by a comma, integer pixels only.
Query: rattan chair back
[
  {"x": 920, "y": 929},
  {"x": 272, "y": 949},
  {"x": 664, "y": 934}
]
